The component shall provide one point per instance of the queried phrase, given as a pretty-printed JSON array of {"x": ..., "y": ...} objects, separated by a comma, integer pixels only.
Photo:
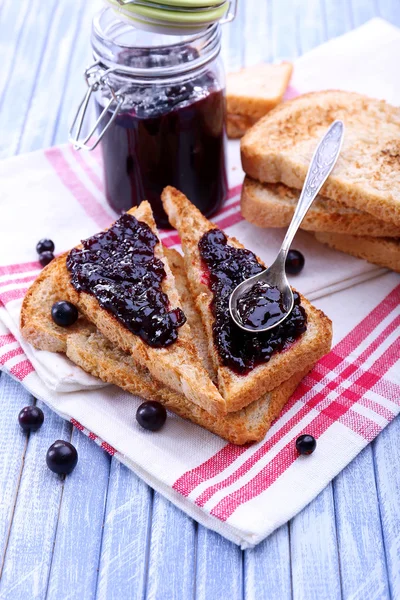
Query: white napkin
[
  {"x": 364, "y": 61},
  {"x": 56, "y": 371},
  {"x": 243, "y": 493}
]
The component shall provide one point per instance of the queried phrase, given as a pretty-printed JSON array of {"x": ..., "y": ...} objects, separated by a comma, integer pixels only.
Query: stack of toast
[
  {"x": 252, "y": 92},
  {"x": 188, "y": 376},
  {"x": 358, "y": 209}
]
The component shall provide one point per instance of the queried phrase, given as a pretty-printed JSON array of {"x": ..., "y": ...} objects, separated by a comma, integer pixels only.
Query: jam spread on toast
[
  {"x": 119, "y": 269},
  {"x": 226, "y": 268}
]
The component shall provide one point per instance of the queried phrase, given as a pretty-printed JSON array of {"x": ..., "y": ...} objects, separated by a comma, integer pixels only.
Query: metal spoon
[{"x": 322, "y": 163}]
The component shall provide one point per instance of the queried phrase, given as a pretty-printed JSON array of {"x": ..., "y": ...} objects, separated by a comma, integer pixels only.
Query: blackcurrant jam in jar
[{"x": 160, "y": 102}]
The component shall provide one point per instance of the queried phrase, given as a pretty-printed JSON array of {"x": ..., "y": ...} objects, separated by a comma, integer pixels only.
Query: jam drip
[
  {"x": 119, "y": 269},
  {"x": 227, "y": 267}
]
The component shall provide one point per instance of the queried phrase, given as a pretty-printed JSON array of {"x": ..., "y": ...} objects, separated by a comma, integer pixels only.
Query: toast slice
[
  {"x": 367, "y": 174},
  {"x": 255, "y": 90},
  {"x": 273, "y": 205},
  {"x": 384, "y": 252},
  {"x": 94, "y": 353},
  {"x": 237, "y": 125},
  {"x": 177, "y": 365},
  {"x": 240, "y": 390}
]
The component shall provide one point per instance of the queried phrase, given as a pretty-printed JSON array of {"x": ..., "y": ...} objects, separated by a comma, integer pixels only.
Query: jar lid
[{"x": 174, "y": 17}]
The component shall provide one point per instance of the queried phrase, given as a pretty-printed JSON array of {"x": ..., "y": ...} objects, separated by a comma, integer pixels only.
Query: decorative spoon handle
[{"x": 322, "y": 163}]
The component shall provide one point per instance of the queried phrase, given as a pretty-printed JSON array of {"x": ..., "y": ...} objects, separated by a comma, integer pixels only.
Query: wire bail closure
[
  {"x": 96, "y": 79},
  {"x": 231, "y": 12}
]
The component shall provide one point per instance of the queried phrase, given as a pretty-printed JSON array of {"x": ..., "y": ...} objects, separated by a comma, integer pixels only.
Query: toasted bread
[
  {"x": 384, "y": 252},
  {"x": 178, "y": 365},
  {"x": 367, "y": 174},
  {"x": 239, "y": 390},
  {"x": 255, "y": 90},
  {"x": 94, "y": 353},
  {"x": 237, "y": 125},
  {"x": 273, "y": 205}
]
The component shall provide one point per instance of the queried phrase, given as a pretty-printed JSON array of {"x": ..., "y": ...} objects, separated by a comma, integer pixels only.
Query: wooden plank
[
  {"x": 80, "y": 523},
  {"x": 124, "y": 551},
  {"x": 361, "y": 551},
  {"x": 337, "y": 17},
  {"x": 75, "y": 87},
  {"x": 389, "y": 10},
  {"x": 233, "y": 42},
  {"x": 386, "y": 453},
  {"x": 15, "y": 105},
  {"x": 13, "y": 443},
  {"x": 12, "y": 19},
  {"x": 284, "y": 33},
  {"x": 314, "y": 551},
  {"x": 30, "y": 546},
  {"x": 267, "y": 568},
  {"x": 362, "y": 11},
  {"x": 257, "y": 32},
  {"x": 171, "y": 569},
  {"x": 310, "y": 24},
  {"x": 219, "y": 568},
  {"x": 48, "y": 91}
]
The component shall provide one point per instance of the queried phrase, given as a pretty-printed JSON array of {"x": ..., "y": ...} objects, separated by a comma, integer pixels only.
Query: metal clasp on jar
[
  {"x": 96, "y": 78},
  {"x": 230, "y": 13}
]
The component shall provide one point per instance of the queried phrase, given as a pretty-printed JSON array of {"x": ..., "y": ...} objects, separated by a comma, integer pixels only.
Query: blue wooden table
[{"x": 102, "y": 533}]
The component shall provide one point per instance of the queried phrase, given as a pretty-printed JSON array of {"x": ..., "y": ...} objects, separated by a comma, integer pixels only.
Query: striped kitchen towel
[{"x": 244, "y": 493}]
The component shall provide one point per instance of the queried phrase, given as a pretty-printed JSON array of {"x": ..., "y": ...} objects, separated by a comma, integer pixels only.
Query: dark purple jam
[
  {"x": 172, "y": 136},
  {"x": 119, "y": 269},
  {"x": 261, "y": 306},
  {"x": 226, "y": 267}
]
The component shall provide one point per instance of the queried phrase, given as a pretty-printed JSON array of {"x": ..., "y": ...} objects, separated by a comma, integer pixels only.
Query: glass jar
[{"x": 160, "y": 103}]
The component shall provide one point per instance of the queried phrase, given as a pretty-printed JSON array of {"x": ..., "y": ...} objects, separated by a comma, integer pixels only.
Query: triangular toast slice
[
  {"x": 240, "y": 390},
  {"x": 177, "y": 365},
  {"x": 366, "y": 176},
  {"x": 94, "y": 353},
  {"x": 273, "y": 205}
]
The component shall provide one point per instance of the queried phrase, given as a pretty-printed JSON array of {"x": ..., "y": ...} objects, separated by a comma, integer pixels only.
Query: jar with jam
[{"x": 160, "y": 103}]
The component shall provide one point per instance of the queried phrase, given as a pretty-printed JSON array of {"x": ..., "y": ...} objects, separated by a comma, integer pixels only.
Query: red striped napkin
[{"x": 244, "y": 493}]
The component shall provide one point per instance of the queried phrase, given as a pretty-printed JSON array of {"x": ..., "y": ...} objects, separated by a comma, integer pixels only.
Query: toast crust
[
  {"x": 177, "y": 366},
  {"x": 240, "y": 390},
  {"x": 36, "y": 307},
  {"x": 273, "y": 205},
  {"x": 367, "y": 174},
  {"x": 384, "y": 252},
  {"x": 94, "y": 353}
]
